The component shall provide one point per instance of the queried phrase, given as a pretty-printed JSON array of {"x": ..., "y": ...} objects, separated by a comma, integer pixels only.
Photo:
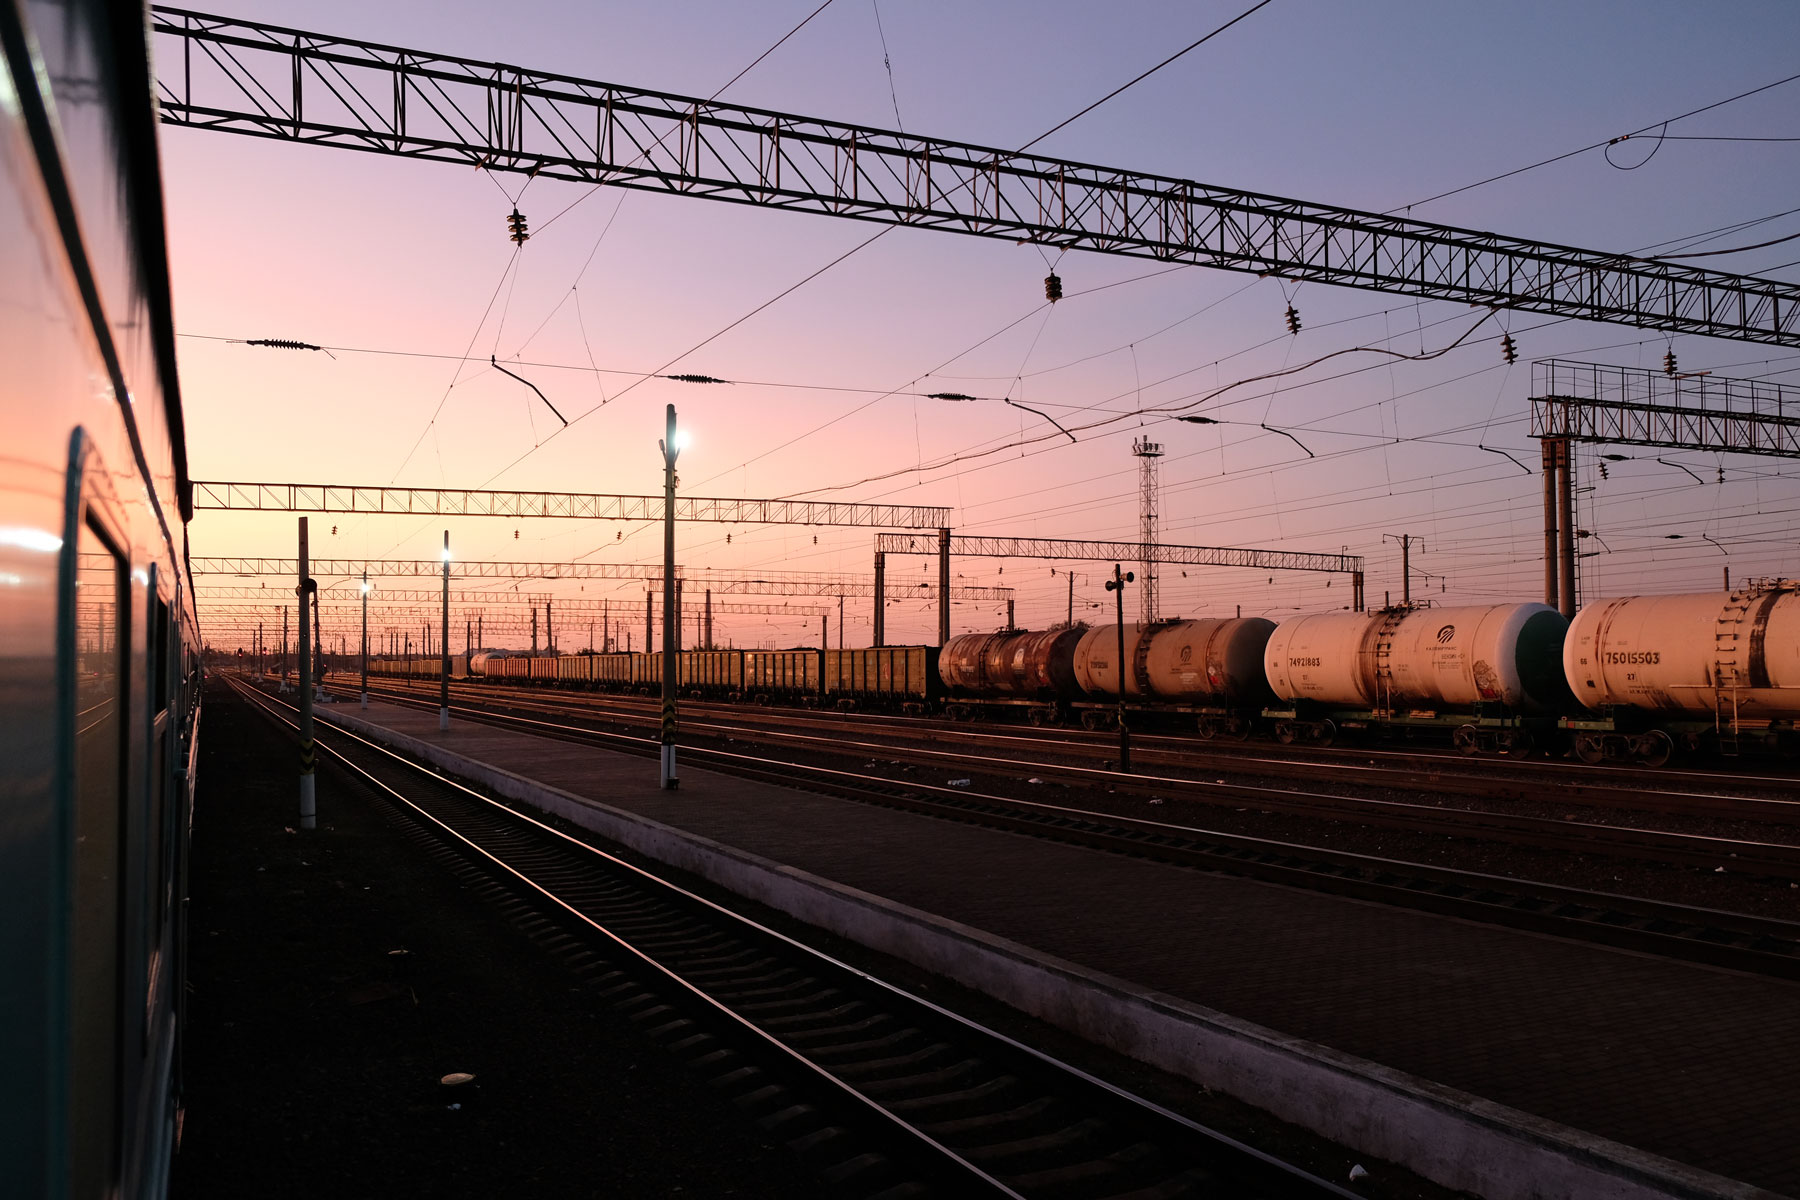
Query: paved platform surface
[{"x": 1688, "y": 1062}]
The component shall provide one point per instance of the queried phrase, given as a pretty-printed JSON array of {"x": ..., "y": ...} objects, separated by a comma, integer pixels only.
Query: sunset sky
[{"x": 404, "y": 268}]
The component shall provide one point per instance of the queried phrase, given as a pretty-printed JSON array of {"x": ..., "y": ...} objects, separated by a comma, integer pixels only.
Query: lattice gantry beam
[
  {"x": 743, "y": 583},
  {"x": 345, "y": 592},
  {"x": 579, "y": 612},
  {"x": 1631, "y": 406},
  {"x": 471, "y": 502},
  {"x": 268, "y": 81},
  {"x": 1058, "y": 548}
]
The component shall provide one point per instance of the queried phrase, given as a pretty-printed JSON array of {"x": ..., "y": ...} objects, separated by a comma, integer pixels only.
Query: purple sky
[{"x": 1368, "y": 106}]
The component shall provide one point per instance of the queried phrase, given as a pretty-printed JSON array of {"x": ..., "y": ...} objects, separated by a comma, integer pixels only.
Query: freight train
[
  {"x": 99, "y": 649},
  {"x": 1632, "y": 679}
]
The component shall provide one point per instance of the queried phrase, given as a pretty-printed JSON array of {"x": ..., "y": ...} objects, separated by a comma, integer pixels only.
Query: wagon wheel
[
  {"x": 1238, "y": 728},
  {"x": 1467, "y": 739},
  {"x": 1519, "y": 743},
  {"x": 1284, "y": 732},
  {"x": 1590, "y": 748},
  {"x": 1324, "y": 733},
  {"x": 1208, "y": 728},
  {"x": 1655, "y": 748}
]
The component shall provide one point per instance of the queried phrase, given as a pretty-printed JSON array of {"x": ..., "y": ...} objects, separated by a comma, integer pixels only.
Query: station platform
[{"x": 1504, "y": 1063}]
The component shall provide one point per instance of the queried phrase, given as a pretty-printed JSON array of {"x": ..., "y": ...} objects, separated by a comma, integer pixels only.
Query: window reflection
[{"x": 100, "y": 657}]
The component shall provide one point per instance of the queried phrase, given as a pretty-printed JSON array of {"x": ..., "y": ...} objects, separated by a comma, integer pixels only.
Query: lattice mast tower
[{"x": 1149, "y": 454}]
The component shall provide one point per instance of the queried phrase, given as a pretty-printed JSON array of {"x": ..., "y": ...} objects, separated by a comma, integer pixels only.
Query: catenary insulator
[
  {"x": 1669, "y": 361},
  {"x": 515, "y": 228},
  {"x": 1509, "y": 349},
  {"x": 1053, "y": 287},
  {"x": 1293, "y": 320}
]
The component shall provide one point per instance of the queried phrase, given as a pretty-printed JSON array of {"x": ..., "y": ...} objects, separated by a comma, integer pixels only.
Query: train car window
[{"x": 101, "y": 635}]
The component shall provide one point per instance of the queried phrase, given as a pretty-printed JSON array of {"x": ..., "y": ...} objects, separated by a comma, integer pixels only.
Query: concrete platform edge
[{"x": 1451, "y": 1137}]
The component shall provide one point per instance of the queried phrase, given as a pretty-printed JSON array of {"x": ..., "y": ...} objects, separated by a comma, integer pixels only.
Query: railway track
[
  {"x": 1739, "y": 941},
  {"x": 1037, "y": 760},
  {"x": 1765, "y": 798},
  {"x": 882, "y": 1093}
]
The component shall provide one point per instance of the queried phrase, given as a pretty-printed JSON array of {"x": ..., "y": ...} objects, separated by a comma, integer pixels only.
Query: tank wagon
[
  {"x": 1657, "y": 673},
  {"x": 1210, "y": 669},
  {"x": 1492, "y": 673},
  {"x": 1633, "y": 678}
]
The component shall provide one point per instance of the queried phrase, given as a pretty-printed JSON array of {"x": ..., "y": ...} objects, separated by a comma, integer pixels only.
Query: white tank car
[
  {"x": 1097, "y": 661},
  {"x": 1216, "y": 659},
  {"x": 1725, "y": 654},
  {"x": 1431, "y": 658}
]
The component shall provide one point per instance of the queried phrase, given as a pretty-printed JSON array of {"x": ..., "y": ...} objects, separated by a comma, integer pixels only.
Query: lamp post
[
  {"x": 365, "y": 639},
  {"x": 1116, "y": 585},
  {"x": 444, "y": 647},
  {"x": 671, "y": 449}
]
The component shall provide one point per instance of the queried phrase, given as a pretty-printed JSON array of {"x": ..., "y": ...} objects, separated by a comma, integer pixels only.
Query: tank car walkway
[{"x": 1687, "y": 1062}]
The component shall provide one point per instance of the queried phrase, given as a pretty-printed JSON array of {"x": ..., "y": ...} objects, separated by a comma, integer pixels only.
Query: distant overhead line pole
[
  {"x": 274, "y": 82},
  {"x": 471, "y": 502},
  {"x": 947, "y": 547}
]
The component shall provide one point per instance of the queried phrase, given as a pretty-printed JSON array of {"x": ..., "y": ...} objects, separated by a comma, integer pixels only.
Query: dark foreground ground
[{"x": 313, "y": 1054}]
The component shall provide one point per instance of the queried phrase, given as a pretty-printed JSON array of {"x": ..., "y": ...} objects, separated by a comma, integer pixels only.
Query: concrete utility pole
[
  {"x": 880, "y": 599},
  {"x": 708, "y": 642},
  {"x": 649, "y": 620},
  {"x": 549, "y": 630},
  {"x": 841, "y": 645},
  {"x": 309, "y": 812},
  {"x": 671, "y": 449},
  {"x": 1406, "y": 541},
  {"x": 1071, "y": 621},
  {"x": 1565, "y": 534},
  {"x": 943, "y": 586},
  {"x": 444, "y": 647},
  {"x": 1116, "y": 585},
  {"x": 1548, "y": 448}
]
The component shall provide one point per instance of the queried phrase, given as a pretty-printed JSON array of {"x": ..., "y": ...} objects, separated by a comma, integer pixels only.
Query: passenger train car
[
  {"x": 98, "y": 641},
  {"x": 1637, "y": 678}
]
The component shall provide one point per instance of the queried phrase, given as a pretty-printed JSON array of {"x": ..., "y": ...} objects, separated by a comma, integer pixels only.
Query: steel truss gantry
[
  {"x": 722, "y": 582},
  {"x": 274, "y": 82},
  {"x": 345, "y": 592},
  {"x": 1636, "y": 406},
  {"x": 946, "y": 546},
  {"x": 474, "y": 502}
]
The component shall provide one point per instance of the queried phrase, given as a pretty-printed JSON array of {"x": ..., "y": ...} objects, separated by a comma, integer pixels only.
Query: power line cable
[
  {"x": 1147, "y": 74},
  {"x": 1594, "y": 146}
]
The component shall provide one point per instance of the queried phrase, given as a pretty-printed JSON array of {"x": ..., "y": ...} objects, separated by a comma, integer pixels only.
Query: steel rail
[
  {"x": 1736, "y": 940},
  {"x": 644, "y": 940},
  {"x": 1603, "y": 785},
  {"x": 1580, "y": 836}
]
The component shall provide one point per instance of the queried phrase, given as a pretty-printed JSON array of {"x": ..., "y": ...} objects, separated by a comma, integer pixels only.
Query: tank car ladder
[
  {"x": 1728, "y": 671},
  {"x": 1384, "y": 653}
]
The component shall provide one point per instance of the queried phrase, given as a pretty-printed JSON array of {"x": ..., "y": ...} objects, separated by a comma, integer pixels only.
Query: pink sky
[{"x": 1371, "y": 107}]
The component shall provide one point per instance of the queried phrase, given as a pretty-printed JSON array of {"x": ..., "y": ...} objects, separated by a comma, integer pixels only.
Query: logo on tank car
[
  {"x": 1303, "y": 662},
  {"x": 1632, "y": 658},
  {"x": 1187, "y": 654},
  {"x": 1445, "y": 634}
]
